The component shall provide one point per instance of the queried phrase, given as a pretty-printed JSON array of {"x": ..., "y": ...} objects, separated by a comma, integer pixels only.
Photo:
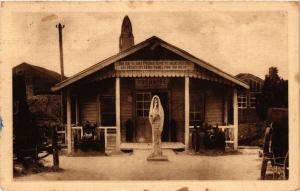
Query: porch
[
  {"x": 186, "y": 102},
  {"x": 122, "y": 94}
]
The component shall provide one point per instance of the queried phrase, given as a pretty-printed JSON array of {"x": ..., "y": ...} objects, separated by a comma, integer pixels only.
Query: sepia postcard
[{"x": 149, "y": 96}]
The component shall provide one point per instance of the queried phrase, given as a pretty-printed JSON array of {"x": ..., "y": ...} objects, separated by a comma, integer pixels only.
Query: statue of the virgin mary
[{"x": 156, "y": 119}]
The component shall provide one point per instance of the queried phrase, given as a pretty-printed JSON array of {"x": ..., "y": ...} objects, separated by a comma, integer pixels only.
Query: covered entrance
[{"x": 143, "y": 128}]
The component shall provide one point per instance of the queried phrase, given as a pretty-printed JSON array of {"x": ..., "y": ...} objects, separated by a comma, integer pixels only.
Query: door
[
  {"x": 143, "y": 127},
  {"x": 164, "y": 99}
]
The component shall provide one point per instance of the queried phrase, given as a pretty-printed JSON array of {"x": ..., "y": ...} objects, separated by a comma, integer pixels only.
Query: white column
[
  {"x": 69, "y": 130},
  {"x": 118, "y": 116},
  {"x": 235, "y": 118},
  {"x": 186, "y": 112}
]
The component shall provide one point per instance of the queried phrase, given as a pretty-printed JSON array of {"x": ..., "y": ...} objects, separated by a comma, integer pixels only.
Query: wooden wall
[
  {"x": 214, "y": 107},
  {"x": 127, "y": 109},
  {"x": 89, "y": 109},
  {"x": 177, "y": 106},
  {"x": 214, "y": 95},
  {"x": 89, "y": 100}
]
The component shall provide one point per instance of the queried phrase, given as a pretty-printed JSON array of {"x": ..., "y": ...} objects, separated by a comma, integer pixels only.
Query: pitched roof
[
  {"x": 243, "y": 76},
  {"x": 139, "y": 46},
  {"x": 42, "y": 78},
  {"x": 38, "y": 70}
]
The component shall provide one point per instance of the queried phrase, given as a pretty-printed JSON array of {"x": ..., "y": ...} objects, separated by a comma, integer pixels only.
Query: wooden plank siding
[
  {"x": 89, "y": 109},
  {"x": 213, "y": 99},
  {"x": 89, "y": 100},
  {"x": 214, "y": 107},
  {"x": 127, "y": 108},
  {"x": 177, "y": 106}
]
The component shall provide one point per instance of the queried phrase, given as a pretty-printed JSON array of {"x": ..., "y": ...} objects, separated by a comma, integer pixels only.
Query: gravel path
[{"x": 182, "y": 166}]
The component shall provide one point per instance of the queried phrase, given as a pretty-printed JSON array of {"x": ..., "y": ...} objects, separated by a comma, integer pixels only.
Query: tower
[{"x": 126, "y": 38}]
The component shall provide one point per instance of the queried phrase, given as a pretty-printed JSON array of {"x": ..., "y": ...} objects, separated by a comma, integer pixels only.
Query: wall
[
  {"x": 89, "y": 100},
  {"x": 213, "y": 99},
  {"x": 89, "y": 108},
  {"x": 177, "y": 106},
  {"x": 127, "y": 110},
  {"x": 248, "y": 115},
  {"x": 213, "y": 107}
]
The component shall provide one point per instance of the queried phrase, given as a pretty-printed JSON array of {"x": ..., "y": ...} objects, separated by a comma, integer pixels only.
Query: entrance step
[
  {"x": 147, "y": 152},
  {"x": 148, "y": 146}
]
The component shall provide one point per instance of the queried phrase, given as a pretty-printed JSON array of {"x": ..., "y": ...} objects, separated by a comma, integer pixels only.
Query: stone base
[{"x": 157, "y": 158}]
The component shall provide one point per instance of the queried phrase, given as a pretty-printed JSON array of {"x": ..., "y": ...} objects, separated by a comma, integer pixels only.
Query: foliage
[{"x": 274, "y": 93}]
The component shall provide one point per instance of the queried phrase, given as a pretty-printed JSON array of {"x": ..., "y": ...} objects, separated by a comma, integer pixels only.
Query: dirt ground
[{"x": 245, "y": 165}]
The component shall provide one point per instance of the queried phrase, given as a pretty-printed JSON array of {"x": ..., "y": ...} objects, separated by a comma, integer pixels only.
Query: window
[
  {"x": 196, "y": 113},
  {"x": 143, "y": 101},
  {"x": 254, "y": 86},
  {"x": 196, "y": 109},
  {"x": 108, "y": 111},
  {"x": 242, "y": 100}
]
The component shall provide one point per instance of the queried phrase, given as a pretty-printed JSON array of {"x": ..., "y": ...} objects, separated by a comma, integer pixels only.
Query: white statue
[{"x": 156, "y": 119}]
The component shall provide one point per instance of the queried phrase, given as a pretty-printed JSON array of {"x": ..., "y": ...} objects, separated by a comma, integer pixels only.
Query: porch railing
[
  {"x": 228, "y": 131},
  {"x": 77, "y": 134},
  {"x": 109, "y": 136}
]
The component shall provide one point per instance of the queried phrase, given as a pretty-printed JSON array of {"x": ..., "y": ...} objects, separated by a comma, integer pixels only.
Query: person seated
[{"x": 88, "y": 130}]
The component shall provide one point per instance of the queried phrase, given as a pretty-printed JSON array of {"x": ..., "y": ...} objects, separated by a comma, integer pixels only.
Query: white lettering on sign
[
  {"x": 151, "y": 83},
  {"x": 154, "y": 65}
]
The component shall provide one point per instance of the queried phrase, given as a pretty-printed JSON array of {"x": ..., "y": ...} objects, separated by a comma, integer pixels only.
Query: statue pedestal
[{"x": 157, "y": 158}]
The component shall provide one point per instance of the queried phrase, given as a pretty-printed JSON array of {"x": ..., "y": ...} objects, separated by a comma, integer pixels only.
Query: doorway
[
  {"x": 164, "y": 99},
  {"x": 142, "y": 106}
]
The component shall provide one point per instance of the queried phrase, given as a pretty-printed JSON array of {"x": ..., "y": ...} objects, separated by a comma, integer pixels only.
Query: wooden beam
[
  {"x": 235, "y": 118},
  {"x": 118, "y": 115},
  {"x": 186, "y": 112},
  {"x": 69, "y": 130}
]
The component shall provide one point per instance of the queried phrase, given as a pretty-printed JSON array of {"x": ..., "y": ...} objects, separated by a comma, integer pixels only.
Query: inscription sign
[
  {"x": 154, "y": 65},
  {"x": 151, "y": 83}
]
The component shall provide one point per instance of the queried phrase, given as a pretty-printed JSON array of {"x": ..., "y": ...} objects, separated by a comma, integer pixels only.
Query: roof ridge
[{"x": 139, "y": 46}]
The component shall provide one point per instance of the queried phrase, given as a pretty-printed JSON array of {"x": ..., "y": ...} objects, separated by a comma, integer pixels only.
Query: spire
[{"x": 126, "y": 37}]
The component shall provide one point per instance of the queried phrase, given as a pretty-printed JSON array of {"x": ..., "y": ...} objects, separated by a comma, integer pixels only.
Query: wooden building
[
  {"x": 249, "y": 122},
  {"x": 247, "y": 98},
  {"x": 115, "y": 94}
]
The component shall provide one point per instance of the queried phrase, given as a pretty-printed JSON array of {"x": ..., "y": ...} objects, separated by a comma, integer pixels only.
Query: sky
[{"x": 234, "y": 41}]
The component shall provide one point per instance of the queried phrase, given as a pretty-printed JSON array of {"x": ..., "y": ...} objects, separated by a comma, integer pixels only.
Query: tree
[{"x": 274, "y": 93}]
